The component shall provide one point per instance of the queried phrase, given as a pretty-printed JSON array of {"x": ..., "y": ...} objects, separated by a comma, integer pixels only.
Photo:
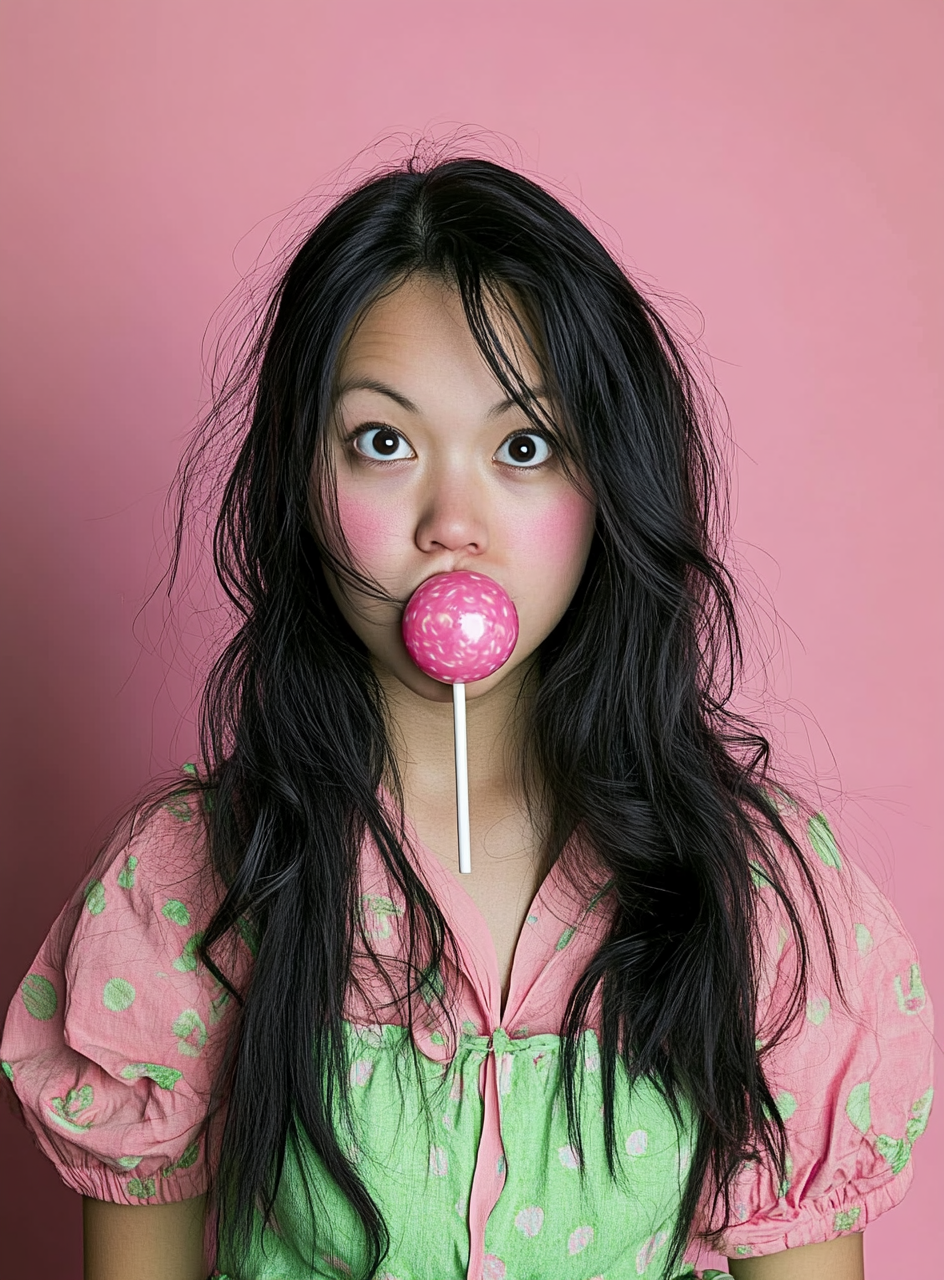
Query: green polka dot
[
  {"x": 186, "y": 962},
  {"x": 788, "y": 1175},
  {"x": 859, "y": 1106},
  {"x": 863, "y": 939},
  {"x": 130, "y": 1162},
  {"x": 118, "y": 995},
  {"x": 218, "y": 1006},
  {"x": 912, "y": 997},
  {"x": 248, "y": 935},
  {"x": 817, "y": 1010},
  {"x": 759, "y": 877},
  {"x": 896, "y": 1151},
  {"x": 67, "y": 1111},
  {"x": 39, "y": 996},
  {"x": 191, "y": 1033},
  {"x": 920, "y": 1112},
  {"x": 178, "y": 807},
  {"x": 7, "y": 1069},
  {"x": 431, "y": 985},
  {"x": 141, "y": 1188},
  {"x": 786, "y": 1104},
  {"x": 565, "y": 938},
  {"x": 126, "y": 874},
  {"x": 846, "y": 1221},
  {"x": 163, "y": 1077},
  {"x": 823, "y": 842},
  {"x": 95, "y": 897},
  {"x": 188, "y": 1158},
  {"x": 175, "y": 911}
]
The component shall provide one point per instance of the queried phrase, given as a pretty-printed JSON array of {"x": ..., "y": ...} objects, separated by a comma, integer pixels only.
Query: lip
[{"x": 458, "y": 568}]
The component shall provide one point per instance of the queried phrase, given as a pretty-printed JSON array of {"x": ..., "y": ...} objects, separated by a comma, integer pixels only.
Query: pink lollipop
[{"x": 460, "y": 627}]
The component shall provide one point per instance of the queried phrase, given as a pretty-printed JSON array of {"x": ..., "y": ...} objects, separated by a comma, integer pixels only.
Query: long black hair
[{"x": 632, "y": 741}]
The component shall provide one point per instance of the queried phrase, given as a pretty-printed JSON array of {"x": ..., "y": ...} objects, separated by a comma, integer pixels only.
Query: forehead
[{"x": 420, "y": 329}]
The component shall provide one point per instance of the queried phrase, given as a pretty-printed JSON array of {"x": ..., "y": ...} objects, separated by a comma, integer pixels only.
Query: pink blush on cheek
[
  {"x": 556, "y": 536},
  {"x": 367, "y": 526}
]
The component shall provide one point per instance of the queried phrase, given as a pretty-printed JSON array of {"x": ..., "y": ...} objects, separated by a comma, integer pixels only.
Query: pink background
[{"x": 777, "y": 165}]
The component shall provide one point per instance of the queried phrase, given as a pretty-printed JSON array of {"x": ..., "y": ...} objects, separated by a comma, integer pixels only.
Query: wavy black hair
[{"x": 631, "y": 742}]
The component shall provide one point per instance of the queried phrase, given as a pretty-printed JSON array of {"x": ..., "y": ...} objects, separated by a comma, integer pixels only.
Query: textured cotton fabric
[{"x": 114, "y": 1037}]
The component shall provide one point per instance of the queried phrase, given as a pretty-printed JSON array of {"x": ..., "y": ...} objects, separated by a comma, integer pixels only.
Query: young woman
[{"x": 276, "y": 1035}]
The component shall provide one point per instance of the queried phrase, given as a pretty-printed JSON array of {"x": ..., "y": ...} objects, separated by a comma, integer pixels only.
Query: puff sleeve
[
  {"x": 852, "y": 1078},
  {"x": 114, "y": 1036}
]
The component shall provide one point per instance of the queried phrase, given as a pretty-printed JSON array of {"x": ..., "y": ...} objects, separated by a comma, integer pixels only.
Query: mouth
[{"x": 458, "y": 568}]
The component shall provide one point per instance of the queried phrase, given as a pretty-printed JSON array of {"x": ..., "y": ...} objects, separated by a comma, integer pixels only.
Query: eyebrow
[{"x": 381, "y": 388}]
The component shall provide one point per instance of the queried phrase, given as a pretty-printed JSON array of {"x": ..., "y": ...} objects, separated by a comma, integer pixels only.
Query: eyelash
[{"x": 367, "y": 427}]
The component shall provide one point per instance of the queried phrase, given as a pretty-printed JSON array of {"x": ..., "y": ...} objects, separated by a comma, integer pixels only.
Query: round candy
[{"x": 460, "y": 627}]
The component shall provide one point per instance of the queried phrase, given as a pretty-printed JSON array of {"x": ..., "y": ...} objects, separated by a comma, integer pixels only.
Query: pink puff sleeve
[
  {"x": 852, "y": 1080},
  {"x": 113, "y": 1038}
]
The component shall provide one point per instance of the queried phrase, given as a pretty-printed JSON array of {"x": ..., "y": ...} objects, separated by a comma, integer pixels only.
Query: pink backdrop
[{"x": 778, "y": 165}]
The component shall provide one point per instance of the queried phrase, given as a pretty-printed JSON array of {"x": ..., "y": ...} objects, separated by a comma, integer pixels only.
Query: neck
[{"x": 421, "y": 734}]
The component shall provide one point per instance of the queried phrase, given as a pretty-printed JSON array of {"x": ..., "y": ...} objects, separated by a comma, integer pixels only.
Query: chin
[{"x": 435, "y": 691}]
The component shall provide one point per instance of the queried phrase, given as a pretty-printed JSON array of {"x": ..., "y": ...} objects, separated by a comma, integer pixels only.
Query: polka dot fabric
[
  {"x": 116, "y": 1031},
  {"x": 114, "y": 1036}
]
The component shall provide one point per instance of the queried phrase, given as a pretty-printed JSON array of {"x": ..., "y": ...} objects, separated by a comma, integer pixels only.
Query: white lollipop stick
[
  {"x": 460, "y": 627},
  {"x": 462, "y": 777}
]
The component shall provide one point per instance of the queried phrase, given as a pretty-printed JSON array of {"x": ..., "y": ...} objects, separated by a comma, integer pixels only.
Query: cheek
[
  {"x": 557, "y": 535},
  {"x": 368, "y": 526}
]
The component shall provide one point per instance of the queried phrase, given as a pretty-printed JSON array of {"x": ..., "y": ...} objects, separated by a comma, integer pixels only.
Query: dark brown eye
[
  {"x": 527, "y": 449},
  {"x": 382, "y": 443}
]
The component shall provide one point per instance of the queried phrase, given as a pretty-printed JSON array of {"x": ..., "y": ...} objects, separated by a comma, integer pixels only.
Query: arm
[
  {"x": 149, "y": 1242},
  {"x": 839, "y": 1259}
]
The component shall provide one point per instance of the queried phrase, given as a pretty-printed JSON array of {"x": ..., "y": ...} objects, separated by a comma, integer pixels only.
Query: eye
[
  {"x": 381, "y": 444},
  {"x": 526, "y": 449}
]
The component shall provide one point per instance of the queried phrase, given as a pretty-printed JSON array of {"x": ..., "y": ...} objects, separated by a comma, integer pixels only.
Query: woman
[{"x": 661, "y": 1012}]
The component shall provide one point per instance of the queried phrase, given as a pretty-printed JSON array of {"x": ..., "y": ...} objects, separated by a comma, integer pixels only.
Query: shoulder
[
  {"x": 858, "y": 950},
  {"x": 150, "y": 894},
  {"x": 113, "y": 1040},
  {"x": 851, "y": 1071}
]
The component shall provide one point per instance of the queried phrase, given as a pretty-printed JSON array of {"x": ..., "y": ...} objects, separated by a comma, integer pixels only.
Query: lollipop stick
[{"x": 462, "y": 777}]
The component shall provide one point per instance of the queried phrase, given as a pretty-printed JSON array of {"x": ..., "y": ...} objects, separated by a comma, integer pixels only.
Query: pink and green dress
[{"x": 114, "y": 1037}]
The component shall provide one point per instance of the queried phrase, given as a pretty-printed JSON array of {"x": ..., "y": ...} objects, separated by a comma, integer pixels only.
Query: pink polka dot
[
  {"x": 579, "y": 1240},
  {"x": 530, "y": 1221},
  {"x": 492, "y": 1268},
  {"x": 637, "y": 1143},
  {"x": 361, "y": 1071},
  {"x": 649, "y": 1250},
  {"x": 568, "y": 1157}
]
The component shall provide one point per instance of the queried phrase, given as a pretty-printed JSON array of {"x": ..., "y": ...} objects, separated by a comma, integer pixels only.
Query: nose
[{"x": 454, "y": 519}]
